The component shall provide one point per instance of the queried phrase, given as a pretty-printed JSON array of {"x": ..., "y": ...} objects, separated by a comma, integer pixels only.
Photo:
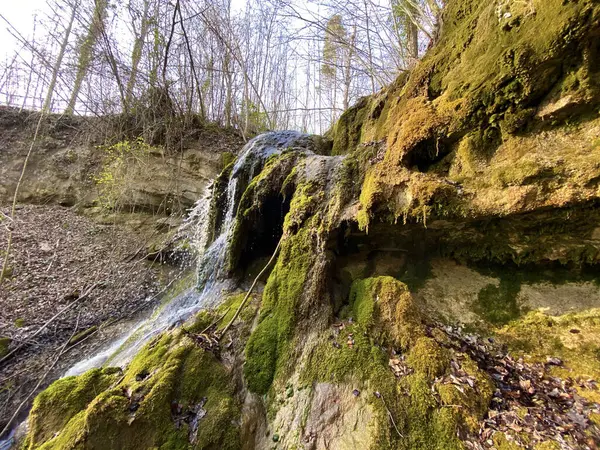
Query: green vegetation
[
  {"x": 82, "y": 335},
  {"x": 114, "y": 180},
  {"x": 483, "y": 80},
  {"x": 147, "y": 407},
  {"x": 427, "y": 412},
  {"x": 4, "y": 346},
  {"x": 385, "y": 307},
  {"x": 63, "y": 400},
  {"x": 269, "y": 343}
]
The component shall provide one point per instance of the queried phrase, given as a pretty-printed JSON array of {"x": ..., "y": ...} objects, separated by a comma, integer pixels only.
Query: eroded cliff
[{"x": 436, "y": 280}]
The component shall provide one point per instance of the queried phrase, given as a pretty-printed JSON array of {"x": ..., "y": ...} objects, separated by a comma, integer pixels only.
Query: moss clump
[
  {"x": 269, "y": 342},
  {"x": 348, "y": 129},
  {"x": 424, "y": 424},
  {"x": 434, "y": 413},
  {"x": 429, "y": 413},
  {"x": 384, "y": 306},
  {"x": 82, "y": 335},
  {"x": 361, "y": 364},
  {"x": 4, "y": 346},
  {"x": 63, "y": 400},
  {"x": 428, "y": 357},
  {"x": 226, "y": 159},
  {"x": 574, "y": 338},
  {"x": 484, "y": 79},
  {"x": 169, "y": 383},
  {"x": 336, "y": 361},
  {"x": 498, "y": 304}
]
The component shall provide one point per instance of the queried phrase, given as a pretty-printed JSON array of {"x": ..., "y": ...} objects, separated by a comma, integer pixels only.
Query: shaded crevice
[
  {"x": 426, "y": 154},
  {"x": 263, "y": 232}
]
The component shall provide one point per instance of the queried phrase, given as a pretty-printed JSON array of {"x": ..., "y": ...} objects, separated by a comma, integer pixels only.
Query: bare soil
[{"x": 57, "y": 256}]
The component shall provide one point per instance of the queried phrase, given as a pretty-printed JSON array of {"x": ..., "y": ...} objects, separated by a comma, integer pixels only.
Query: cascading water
[{"x": 212, "y": 278}]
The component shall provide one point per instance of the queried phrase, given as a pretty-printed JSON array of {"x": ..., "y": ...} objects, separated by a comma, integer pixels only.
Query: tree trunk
[
  {"x": 86, "y": 51},
  {"x": 136, "y": 54},
  {"x": 59, "y": 59}
]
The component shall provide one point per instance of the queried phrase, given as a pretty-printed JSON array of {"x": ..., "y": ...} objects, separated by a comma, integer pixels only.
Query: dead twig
[
  {"x": 380, "y": 395},
  {"x": 217, "y": 320}
]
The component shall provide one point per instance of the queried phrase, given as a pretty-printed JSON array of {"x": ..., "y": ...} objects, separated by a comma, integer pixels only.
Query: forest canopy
[{"x": 250, "y": 64}]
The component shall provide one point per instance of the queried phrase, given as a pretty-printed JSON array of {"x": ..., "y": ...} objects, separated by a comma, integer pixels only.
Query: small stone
[
  {"x": 356, "y": 392},
  {"x": 554, "y": 361}
]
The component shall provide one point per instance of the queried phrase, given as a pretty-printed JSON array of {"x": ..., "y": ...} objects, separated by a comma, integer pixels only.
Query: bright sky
[{"x": 20, "y": 13}]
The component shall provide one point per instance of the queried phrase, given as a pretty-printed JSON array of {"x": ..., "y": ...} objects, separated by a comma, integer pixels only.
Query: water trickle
[{"x": 212, "y": 276}]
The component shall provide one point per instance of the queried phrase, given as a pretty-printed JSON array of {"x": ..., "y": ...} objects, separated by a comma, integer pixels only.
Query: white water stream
[
  {"x": 211, "y": 274},
  {"x": 212, "y": 278}
]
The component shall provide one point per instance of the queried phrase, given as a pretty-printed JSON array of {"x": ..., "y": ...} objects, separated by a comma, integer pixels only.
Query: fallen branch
[
  {"x": 216, "y": 321},
  {"x": 54, "y": 317},
  {"x": 237, "y": 313}
]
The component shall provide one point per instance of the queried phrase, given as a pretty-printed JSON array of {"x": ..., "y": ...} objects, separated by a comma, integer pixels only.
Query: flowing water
[{"x": 212, "y": 276}]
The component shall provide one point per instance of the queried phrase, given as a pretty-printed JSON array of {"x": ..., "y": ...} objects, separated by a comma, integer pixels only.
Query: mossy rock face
[
  {"x": 386, "y": 303},
  {"x": 269, "y": 342},
  {"x": 173, "y": 395},
  {"x": 487, "y": 85},
  {"x": 428, "y": 412}
]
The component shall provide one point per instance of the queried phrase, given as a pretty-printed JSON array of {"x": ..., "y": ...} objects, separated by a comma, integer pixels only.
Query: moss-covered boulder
[{"x": 173, "y": 395}]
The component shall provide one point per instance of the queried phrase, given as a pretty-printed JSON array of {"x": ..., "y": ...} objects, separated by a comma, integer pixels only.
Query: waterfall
[{"x": 212, "y": 277}]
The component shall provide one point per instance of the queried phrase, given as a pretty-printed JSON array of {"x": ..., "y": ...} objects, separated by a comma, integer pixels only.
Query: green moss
[
  {"x": 82, "y": 335},
  {"x": 268, "y": 344},
  {"x": 536, "y": 336},
  {"x": 517, "y": 174},
  {"x": 348, "y": 129},
  {"x": 363, "y": 365},
  {"x": 484, "y": 79},
  {"x": 168, "y": 378},
  {"x": 19, "y": 323},
  {"x": 336, "y": 361},
  {"x": 429, "y": 414},
  {"x": 548, "y": 445},
  {"x": 226, "y": 159},
  {"x": 428, "y": 357},
  {"x": 384, "y": 306},
  {"x": 498, "y": 304},
  {"x": 65, "y": 398},
  {"x": 501, "y": 442},
  {"x": 4, "y": 346}
]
